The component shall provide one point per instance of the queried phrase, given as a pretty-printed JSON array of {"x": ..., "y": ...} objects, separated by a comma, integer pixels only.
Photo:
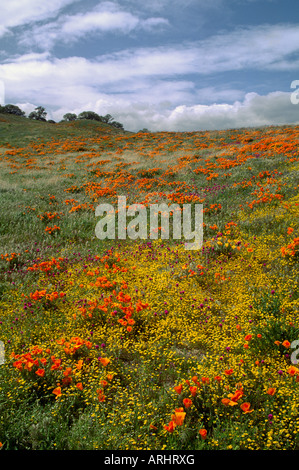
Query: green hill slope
[{"x": 18, "y": 131}]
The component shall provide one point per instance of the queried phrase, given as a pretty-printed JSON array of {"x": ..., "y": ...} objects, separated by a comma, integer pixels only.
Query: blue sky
[{"x": 165, "y": 65}]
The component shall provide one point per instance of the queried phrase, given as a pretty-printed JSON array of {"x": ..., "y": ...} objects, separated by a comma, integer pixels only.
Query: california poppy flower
[
  {"x": 18, "y": 365},
  {"x": 292, "y": 370},
  {"x": 57, "y": 363},
  {"x": 104, "y": 361},
  {"x": 153, "y": 427},
  {"x": 40, "y": 372},
  {"x": 203, "y": 433},
  {"x": 218, "y": 378},
  {"x": 178, "y": 388},
  {"x": 236, "y": 396},
  {"x": 170, "y": 427},
  {"x": 101, "y": 396},
  {"x": 228, "y": 402},
  {"x": 178, "y": 416},
  {"x": 57, "y": 392},
  {"x": 245, "y": 407},
  {"x": 67, "y": 371},
  {"x": 187, "y": 402}
]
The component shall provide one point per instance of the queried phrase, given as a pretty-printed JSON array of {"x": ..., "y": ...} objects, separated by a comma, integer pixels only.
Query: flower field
[{"x": 141, "y": 344}]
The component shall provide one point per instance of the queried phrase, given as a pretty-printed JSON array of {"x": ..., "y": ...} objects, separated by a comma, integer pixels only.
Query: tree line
[{"x": 39, "y": 114}]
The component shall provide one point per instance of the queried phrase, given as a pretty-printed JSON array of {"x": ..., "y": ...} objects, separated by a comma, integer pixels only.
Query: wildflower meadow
[{"x": 141, "y": 344}]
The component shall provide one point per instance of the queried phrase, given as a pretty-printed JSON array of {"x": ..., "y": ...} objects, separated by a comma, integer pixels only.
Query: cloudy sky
[{"x": 165, "y": 65}]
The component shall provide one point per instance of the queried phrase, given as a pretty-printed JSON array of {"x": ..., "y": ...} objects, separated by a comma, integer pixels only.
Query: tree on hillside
[
  {"x": 107, "y": 118},
  {"x": 39, "y": 114},
  {"x": 116, "y": 124},
  {"x": 110, "y": 120},
  {"x": 12, "y": 109},
  {"x": 70, "y": 117},
  {"x": 89, "y": 115}
]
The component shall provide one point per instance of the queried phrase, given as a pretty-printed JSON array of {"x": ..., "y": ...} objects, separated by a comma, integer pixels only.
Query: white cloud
[
  {"x": 20, "y": 12},
  {"x": 260, "y": 48},
  {"x": 177, "y": 5},
  {"x": 78, "y": 25},
  {"x": 105, "y": 17},
  {"x": 155, "y": 87},
  {"x": 31, "y": 73},
  {"x": 255, "y": 110}
]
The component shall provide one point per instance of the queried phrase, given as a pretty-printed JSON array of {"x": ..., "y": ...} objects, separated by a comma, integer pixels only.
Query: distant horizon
[
  {"x": 251, "y": 127},
  {"x": 165, "y": 66}
]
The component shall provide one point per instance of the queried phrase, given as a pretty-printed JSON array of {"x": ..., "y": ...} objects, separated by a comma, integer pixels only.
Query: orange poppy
[
  {"x": 187, "y": 402},
  {"x": 218, "y": 378},
  {"x": 101, "y": 396},
  {"x": 228, "y": 402},
  {"x": 170, "y": 427},
  {"x": 178, "y": 416},
  {"x": 40, "y": 372},
  {"x": 178, "y": 388},
  {"x": 104, "y": 361},
  {"x": 292, "y": 370},
  {"x": 57, "y": 392},
  {"x": 236, "y": 396},
  {"x": 67, "y": 371},
  {"x": 245, "y": 407}
]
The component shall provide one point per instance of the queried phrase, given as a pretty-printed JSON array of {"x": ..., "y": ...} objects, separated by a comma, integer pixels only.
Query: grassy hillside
[
  {"x": 122, "y": 344},
  {"x": 20, "y": 131}
]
